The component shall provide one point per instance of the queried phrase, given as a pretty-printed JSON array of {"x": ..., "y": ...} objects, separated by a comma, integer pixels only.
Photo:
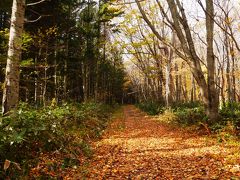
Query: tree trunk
[
  {"x": 55, "y": 72},
  {"x": 44, "y": 86},
  {"x": 177, "y": 83},
  {"x": 11, "y": 87},
  {"x": 228, "y": 79},
  {"x": 35, "y": 83},
  {"x": 45, "y": 77},
  {"x": 233, "y": 74},
  {"x": 213, "y": 101},
  {"x": 168, "y": 83},
  {"x": 193, "y": 90},
  {"x": 169, "y": 79},
  {"x": 184, "y": 89},
  {"x": 223, "y": 100},
  {"x": 66, "y": 68}
]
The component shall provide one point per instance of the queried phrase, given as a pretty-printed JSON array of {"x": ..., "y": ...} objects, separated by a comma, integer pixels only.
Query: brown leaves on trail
[
  {"x": 137, "y": 147},
  {"x": 56, "y": 165}
]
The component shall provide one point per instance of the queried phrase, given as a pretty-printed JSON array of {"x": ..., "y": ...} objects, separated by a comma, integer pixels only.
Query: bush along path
[
  {"x": 136, "y": 146},
  {"x": 50, "y": 142}
]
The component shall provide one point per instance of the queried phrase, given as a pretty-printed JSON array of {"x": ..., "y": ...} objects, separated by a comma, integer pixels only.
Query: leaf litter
[{"x": 144, "y": 148}]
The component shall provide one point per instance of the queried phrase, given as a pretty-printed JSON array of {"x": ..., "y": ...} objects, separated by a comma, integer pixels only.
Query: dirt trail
[{"x": 138, "y": 147}]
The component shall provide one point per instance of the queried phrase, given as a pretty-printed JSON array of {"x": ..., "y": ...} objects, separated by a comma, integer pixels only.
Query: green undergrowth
[
  {"x": 152, "y": 108},
  {"x": 188, "y": 114},
  {"x": 30, "y": 133},
  {"x": 231, "y": 113},
  {"x": 192, "y": 115}
]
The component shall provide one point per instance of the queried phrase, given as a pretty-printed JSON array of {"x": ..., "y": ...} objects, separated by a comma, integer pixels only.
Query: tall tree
[
  {"x": 11, "y": 86},
  {"x": 212, "y": 100}
]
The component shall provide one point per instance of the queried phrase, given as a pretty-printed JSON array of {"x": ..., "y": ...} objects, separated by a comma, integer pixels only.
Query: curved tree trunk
[{"x": 11, "y": 87}]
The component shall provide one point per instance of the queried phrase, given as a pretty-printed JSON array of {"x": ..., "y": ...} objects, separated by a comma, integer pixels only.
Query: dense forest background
[{"x": 67, "y": 52}]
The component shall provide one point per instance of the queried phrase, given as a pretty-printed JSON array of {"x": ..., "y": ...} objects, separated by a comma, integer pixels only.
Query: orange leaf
[{"x": 6, "y": 164}]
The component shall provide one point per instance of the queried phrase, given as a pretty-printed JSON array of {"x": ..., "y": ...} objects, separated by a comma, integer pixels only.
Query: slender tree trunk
[
  {"x": 96, "y": 82},
  {"x": 228, "y": 80},
  {"x": 55, "y": 72},
  {"x": 65, "y": 69},
  {"x": 27, "y": 94},
  {"x": 84, "y": 79},
  {"x": 213, "y": 101},
  {"x": 177, "y": 83},
  {"x": 41, "y": 94},
  {"x": 183, "y": 79},
  {"x": 35, "y": 83},
  {"x": 233, "y": 73},
  {"x": 184, "y": 89},
  {"x": 45, "y": 77},
  {"x": 193, "y": 90},
  {"x": 44, "y": 86},
  {"x": 81, "y": 90},
  {"x": 11, "y": 86},
  {"x": 223, "y": 85},
  {"x": 168, "y": 84},
  {"x": 160, "y": 81},
  {"x": 169, "y": 79},
  {"x": 85, "y": 82},
  {"x": 180, "y": 88},
  {"x": 66, "y": 59}
]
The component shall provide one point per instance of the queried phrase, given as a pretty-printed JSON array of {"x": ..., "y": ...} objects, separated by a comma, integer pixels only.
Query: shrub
[
  {"x": 193, "y": 113},
  {"x": 187, "y": 105},
  {"x": 231, "y": 113},
  {"x": 185, "y": 113},
  {"x": 28, "y": 132},
  {"x": 189, "y": 113},
  {"x": 152, "y": 108}
]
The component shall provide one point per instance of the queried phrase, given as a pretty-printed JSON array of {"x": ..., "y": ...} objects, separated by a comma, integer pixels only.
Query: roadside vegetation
[
  {"x": 48, "y": 142},
  {"x": 191, "y": 114}
]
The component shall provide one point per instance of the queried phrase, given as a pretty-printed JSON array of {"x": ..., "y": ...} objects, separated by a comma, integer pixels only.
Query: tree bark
[
  {"x": 193, "y": 90},
  {"x": 233, "y": 73},
  {"x": 213, "y": 101},
  {"x": 11, "y": 86}
]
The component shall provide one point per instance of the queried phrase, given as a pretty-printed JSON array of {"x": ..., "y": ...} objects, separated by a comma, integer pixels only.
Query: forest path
[{"x": 136, "y": 146}]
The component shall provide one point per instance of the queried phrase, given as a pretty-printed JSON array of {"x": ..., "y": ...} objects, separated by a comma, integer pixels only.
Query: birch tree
[{"x": 11, "y": 86}]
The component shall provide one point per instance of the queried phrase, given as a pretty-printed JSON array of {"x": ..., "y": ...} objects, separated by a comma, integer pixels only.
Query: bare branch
[
  {"x": 35, "y": 20},
  {"x": 230, "y": 34},
  {"x": 125, "y": 3},
  {"x": 36, "y": 3}
]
